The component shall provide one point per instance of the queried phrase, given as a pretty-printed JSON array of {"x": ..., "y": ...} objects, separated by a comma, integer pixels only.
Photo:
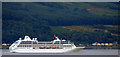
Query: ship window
[
  {"x": 19, "y": 45},
  {"x": 64, "y": 42},
  {"x": 67, "y": 46},
  {"x": 41, "y": 43},
  {"x": 16, "y": 42},
  {"x": 61, "y": 42},
  {"x": 29, "y": 45},
  {"x": 34, "y": 42},
  {"x": 26, "y": 42},
  {"x": 23, "y": 45},
  {"x": 64, "y": 46},
  {"x": 57, "y": 42},
  {"x": 44, "y": 43}
]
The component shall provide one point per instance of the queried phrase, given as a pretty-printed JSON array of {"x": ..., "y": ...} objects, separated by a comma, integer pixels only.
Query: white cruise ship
[{"x": 28, "y": 45}]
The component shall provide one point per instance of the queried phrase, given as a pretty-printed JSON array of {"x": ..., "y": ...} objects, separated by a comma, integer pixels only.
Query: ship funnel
[
  {"x": 56, "y": 37},
  {"x": 27, "y": 38}
]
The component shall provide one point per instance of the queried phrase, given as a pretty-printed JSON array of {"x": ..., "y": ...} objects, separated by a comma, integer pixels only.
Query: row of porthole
[
  {"x": 43, "y": 46},
  {"x": 52, "y": 47}
]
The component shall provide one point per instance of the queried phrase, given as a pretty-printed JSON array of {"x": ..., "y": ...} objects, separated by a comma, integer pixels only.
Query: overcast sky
[{"x": 60, "y": 0}]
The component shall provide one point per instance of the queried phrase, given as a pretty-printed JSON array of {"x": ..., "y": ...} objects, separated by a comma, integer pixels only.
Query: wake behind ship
[{"x": 33, "y": 46}]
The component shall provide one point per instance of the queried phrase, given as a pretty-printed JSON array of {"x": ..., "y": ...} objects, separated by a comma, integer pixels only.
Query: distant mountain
[{"x": 35, "y": 19}]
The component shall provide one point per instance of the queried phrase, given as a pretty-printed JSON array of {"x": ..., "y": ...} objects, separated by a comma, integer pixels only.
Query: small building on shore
[
  {"x": 98, "y": 44},
  {"x": 4, "y": 44},
  {"x": 94, "y": 44},
  {"x": 102, "y": 44},
  {"x": 106, "y": 44}
]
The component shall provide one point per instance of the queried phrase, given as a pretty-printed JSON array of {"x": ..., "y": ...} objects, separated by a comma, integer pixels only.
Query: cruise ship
[{"x": 28, "y": 45}]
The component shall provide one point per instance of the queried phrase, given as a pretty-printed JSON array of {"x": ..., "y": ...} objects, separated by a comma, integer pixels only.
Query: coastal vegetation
[{"x": 79, "y": 22}]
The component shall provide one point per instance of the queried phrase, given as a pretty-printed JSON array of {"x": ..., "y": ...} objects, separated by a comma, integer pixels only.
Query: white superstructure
[{"x": 28, "y": 45}]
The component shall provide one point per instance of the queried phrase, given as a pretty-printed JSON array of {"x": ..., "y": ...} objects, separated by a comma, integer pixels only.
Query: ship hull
[{"x": 44, "y": 50}]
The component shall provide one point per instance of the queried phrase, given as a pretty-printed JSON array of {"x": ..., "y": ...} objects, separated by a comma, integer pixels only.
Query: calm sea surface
[{"x": 80, "y": 52}]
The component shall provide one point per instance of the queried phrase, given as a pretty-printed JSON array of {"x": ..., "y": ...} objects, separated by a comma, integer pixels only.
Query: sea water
[{"x": 80, "y": 52}]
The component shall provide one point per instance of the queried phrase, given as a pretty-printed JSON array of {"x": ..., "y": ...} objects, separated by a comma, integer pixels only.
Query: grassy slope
[
  {"x": 103, "y": 33},
  {"x": 20, "y": 19},
  {"x": 89, "y": 28}
]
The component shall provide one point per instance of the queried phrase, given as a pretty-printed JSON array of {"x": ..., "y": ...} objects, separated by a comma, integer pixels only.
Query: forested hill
[{"x": 36, "y": 19}]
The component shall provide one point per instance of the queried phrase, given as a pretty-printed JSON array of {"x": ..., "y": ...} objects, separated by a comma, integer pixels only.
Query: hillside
[
  {"x": 39, "y": 19},
  {"x": 88, "y": 33}
]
